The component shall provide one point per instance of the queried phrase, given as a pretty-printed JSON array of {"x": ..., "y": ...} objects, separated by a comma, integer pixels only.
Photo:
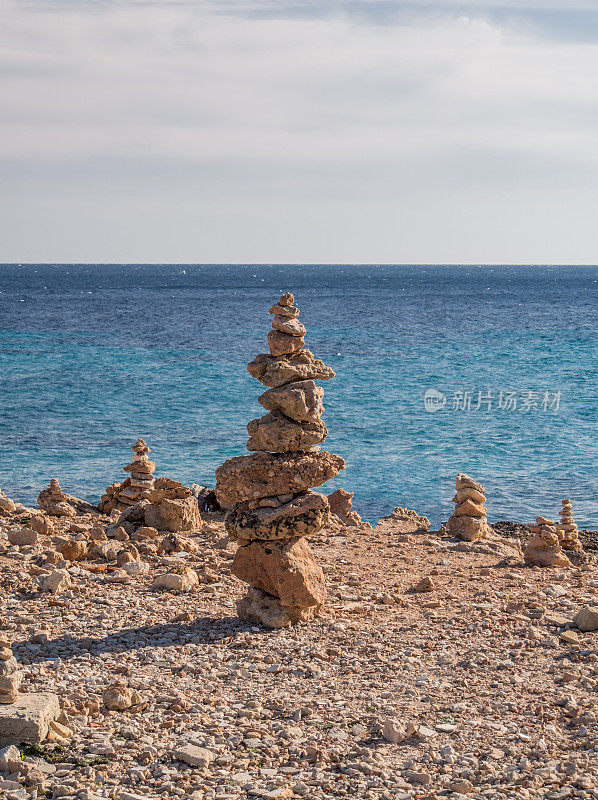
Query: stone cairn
[
  {"x": 544, "y": 547},
  {"x": 469, "y": 520},
  {"x": 271, "y": 506},
  {"x": 10, "y": 674},
  {"x": 55, "y": 502},
  {"x": 567, "y": 529},
  {"x": 120, "y": 496}
]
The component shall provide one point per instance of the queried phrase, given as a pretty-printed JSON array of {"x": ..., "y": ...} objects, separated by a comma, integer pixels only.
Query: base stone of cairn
[
  {"x": 469, "y": 521},
  {"x": 544, "y": 547},
  {"x": 119, "y": 496},
  {"x": 272, "y": 507},
  {"x": 172, "y": 507},
  {"x": 23, "y": 717},
  {"x": 567, "y": 529},
  {"x": 57, "y": 503}
]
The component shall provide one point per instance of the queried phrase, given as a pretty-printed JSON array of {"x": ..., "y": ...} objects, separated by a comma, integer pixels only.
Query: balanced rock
[
  {"x": 305, "y": 514},
  {"x": 120, "y": 496},
  {"x": 266, "y": 474},
  {"x": 300, "y": 400},
  {"x": 277, "y": 371},
  {"x": 172, "y": 507},
  {"x": 469, "y": 521},
  {"x": 278, "y": 434},
  {"x": 271, "y": 507},
  {"x": 54, "y": 502},
  {"x": 543, "y": 548},
  {"x": 10, "y": 675},
  {"x": 567, "y": 529}
]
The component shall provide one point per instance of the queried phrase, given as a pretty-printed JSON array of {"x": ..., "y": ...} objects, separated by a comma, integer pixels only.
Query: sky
[{"x": 250, "y": 131}]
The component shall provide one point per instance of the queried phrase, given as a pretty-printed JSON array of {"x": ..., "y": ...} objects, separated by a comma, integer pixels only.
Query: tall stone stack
[
  {"x": 544, "y": 547},
  {"x": 10, "y": 674},
  {"x": 567, "y": 529},
  {"x": 469, "y": 520},
  {"x": 120, "y": 496},
  {"x": 271, "y": 506}
]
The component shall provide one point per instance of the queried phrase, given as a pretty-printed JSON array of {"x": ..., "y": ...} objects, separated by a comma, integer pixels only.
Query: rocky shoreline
[{"x": 180, "y": 641}]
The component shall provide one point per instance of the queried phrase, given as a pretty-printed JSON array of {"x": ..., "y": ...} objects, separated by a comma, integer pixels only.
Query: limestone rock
[
  {"x": 193, "y": 755},
  {"x": 42, "y": 524},
  {"x": 425, "y": 585},
  {"x": 28, "y": 719},
  {"x": 286, "y": 570},
  {"x": 465, "y": 482},
  {"x": 10, "y": 674},
  {"x": 468, "y": 508},
  {"x": 281, "y": 344},
  {"x": 262, "y": 608},
  {"x": 302, "y": 516},
  {"x": 54, "y": 502},
  {"x": 56, "y": 582},
  {"x": 174, "y": 515},
  {"x": 173, "y": 543},
  {"x": 278, "y": 434},
  {"x": 120, "y": 697},
  {"x": 586, "y": 618},
  {"x": 543, "y": 549},
  {"x": 469, "y": 529},
  {"x": 182, "y": 580},
  {"x": 340, "y": 506},
  {"x": 469, "y": 494},
  {"x": 23, "y": 537},
  {"x": 73, "y": 549},
  {"x": 299, "y": 400},
  {"x": 274, "y": 372},
  {"x": 405, "y": 520},
  {"x": 290, "y": 325},
  {"x": 7, "y": 506},
  {"x": 268, "y": 474}
]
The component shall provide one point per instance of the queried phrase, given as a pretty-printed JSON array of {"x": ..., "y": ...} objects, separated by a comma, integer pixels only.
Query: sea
[{"x": 487, "y": 370}]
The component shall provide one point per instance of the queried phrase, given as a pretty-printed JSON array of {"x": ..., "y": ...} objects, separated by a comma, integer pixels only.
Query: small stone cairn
[
  {"x": 544, "y": 547},
  {"x": 567, "y": 529},
  {"x": 55, "y": 502},
  {"x": 10, "y": 674},
  {"x": 268, "y": 493},
  {"x": 120, "y": 496},
  {"x": 469, "y": 520}
]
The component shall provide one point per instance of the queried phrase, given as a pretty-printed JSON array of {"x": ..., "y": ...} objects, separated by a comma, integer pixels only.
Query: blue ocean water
[{"x": 92, "y": 356}]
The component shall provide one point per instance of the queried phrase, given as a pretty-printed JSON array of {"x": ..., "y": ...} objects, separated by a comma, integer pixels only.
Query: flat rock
[
  {"x": 300, "y": 400},
  {"x": 267, "y": 474},
  {"x": 193, "y": 755},
  {"x": 273, "y": 371},
  {"x": 28, "y": 719},
  {"x": 302, "y": 516},
  {"x": 468, "y": 508},
  {"x": 278, "y": 434},
  {"x": 287, "y": 324}
]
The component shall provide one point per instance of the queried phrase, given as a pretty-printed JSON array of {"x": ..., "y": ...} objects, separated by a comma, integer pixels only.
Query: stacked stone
[
  {"x": 469, "y": 520},
  {"x": 120, "y": 496},
  {"x": 55, "y": 502},
  {"x": 268, "y": 494},
  {"x": 10, "y": 674},
  {"x": 544, "y": 547},
  {"x": 567, "y": 529}
]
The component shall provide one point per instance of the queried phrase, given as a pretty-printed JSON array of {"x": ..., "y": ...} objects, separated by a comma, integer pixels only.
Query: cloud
[{"x": 254, "y": 104}]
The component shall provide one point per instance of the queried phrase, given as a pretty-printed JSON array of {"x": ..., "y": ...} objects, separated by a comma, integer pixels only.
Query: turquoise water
[{"x": 92, "y": 356}]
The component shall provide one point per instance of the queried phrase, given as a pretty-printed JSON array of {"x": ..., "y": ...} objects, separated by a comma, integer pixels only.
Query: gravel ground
[{"x": 488, "y": 685}]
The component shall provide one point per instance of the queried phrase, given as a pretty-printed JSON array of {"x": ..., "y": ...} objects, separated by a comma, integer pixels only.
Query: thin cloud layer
[{"x": 253, "y": 131}]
